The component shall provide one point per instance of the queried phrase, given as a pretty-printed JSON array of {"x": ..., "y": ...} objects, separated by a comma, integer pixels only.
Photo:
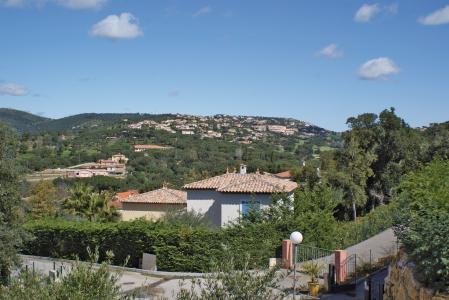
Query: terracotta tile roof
[
  {"x": 285, "y": 174},
  {"x": 244, "y": 183},
  {"x": 163, "y": 196},
  {"x": 120, "y": 196},
  {"x": 127, "y": 194}
]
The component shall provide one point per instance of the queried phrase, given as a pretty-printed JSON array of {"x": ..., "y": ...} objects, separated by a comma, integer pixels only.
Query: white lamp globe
[{"x": 296, "y": 237}]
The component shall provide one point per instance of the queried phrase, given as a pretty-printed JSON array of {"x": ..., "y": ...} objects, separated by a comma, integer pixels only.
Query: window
[{"x": 248, "y": 205}]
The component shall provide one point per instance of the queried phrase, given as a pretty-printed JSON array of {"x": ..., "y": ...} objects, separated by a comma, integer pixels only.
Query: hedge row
[
  {"x": 177, "y": 248},
  {"x": 189, "y": 249}
]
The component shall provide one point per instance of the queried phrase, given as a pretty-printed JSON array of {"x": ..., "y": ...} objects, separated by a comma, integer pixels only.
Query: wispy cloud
[
  {"x": 82, "y": 4},
  {"x": 116, "y": 27},
  {"x": 202, "y": 11},
  {"x": 12, "y": 3},
  {"x": 378, "y": 68},
  {"x": 12, "y": 89},
  {"x": 330, "y": 51},
  {"x": 366, "y": 12},
  {"x": 71, "y": 4},
  {"x": 438, "y": 17}
]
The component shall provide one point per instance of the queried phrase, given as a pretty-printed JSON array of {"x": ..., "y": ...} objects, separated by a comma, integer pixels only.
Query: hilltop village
[{"x": 241, "y": 129}]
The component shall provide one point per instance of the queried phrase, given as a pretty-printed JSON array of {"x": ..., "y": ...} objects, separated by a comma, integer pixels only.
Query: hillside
[
  {"x": 245, "y": 128},
  {"x": 27, "y": 122},
  {"x": 21, "y": 120}
]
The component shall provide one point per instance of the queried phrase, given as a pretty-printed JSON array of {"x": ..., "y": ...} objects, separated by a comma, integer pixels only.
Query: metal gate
[{"x": 322, "y": 256}]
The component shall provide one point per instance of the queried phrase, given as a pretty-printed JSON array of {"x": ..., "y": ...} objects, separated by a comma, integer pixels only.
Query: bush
[
  {"x": 227, "y": 281},
  {"x": 192, "y": 248},
  {"x": 351, "y": 233},
  {"x": 84, "y": 281},
  {"x": 177, "y": 248},
  {"x": 423, "y": 222}
]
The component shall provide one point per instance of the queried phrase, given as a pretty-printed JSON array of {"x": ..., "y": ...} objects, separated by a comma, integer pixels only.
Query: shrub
[
  {"x": 351, "y": 233},
  {"x": 192, "y": 248},
  {"x": 84, "y": 281},
  {"x": 423, "y": 222},
  {"x": 227, "y": 281},
  {"x": 177, "y": 249}
]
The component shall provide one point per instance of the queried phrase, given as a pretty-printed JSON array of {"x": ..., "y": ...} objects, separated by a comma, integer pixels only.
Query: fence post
[
  {"x": 340, "y": 270},
  {"x": 287, "y": 260}
]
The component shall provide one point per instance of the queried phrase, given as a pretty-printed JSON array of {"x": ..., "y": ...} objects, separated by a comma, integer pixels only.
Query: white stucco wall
[
  {"x": 222, "y": 208},
  {"x": 231, "y": 205},
  {"x": 203, "y": 201}
]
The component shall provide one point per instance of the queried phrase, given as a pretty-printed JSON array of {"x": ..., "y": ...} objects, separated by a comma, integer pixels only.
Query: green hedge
[
  {"x": 188, "y": 249},
  {"x": 177, "y": 248},
  {"x": 351, "y": 233}
]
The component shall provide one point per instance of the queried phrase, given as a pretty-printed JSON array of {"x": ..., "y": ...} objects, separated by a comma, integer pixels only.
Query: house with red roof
[
  {"x": 153, "y": 205},
  {"x": 228, "y": 197}
]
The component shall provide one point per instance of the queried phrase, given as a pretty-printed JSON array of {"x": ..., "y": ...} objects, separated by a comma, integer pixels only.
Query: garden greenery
[
  {"x": 84, "y": 281},
  {"x": 424, "y": 222},
  {"x": 180, "y": 248}
]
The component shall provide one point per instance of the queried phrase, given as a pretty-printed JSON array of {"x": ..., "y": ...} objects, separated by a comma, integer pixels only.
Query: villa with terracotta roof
[
  {"x": 228, "y": 197},
  {"x": 152, "y": 205}
]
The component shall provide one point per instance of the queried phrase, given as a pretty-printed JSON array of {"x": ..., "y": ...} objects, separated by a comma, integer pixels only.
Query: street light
[{"x": 296, "y": 239}]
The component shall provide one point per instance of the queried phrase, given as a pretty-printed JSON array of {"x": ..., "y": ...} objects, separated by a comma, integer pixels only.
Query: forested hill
[
  {"x": 27, "y": 122},
  {"x": 21, "y": 120},
  {"x": 212, "y": 125}
]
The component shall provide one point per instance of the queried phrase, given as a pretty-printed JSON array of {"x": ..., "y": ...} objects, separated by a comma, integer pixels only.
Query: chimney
[{"x": 242, "y": 169}]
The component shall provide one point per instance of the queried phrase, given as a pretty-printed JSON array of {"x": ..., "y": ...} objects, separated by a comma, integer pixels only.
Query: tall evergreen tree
[{"x": 11, "y": 234}]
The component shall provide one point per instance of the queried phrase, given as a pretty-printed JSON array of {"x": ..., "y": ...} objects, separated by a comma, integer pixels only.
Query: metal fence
[
  {"x": 324, "y": 257},
  {"x": 50, "y": 268}
]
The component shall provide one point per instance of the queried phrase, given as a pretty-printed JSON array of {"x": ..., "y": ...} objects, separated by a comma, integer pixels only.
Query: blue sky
[{"x": 318, "y": 61}]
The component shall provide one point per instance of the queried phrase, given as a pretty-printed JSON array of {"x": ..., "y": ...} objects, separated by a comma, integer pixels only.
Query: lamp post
[{"x": 296, "y": 239}]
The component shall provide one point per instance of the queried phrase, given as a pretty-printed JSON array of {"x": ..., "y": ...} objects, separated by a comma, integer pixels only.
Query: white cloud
[
  {"x": 378, "y": 68},
  {"x": 330, "y": 51},
  {"x": 366, "y": 12},
  {"x": 438, "y": 17},
  {"x": 12, "y": 89},
  {"x": 203, "y": 11},
  {"x": 115, "y": 27},
  {"x": 82, "y": 4},
  {"x": 12, "y": 3}
]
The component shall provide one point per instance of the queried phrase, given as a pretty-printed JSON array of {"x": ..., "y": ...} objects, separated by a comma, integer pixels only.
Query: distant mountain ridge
[
  {"x": 21, "y": 120},
  {"x": 27, "y": 122}
]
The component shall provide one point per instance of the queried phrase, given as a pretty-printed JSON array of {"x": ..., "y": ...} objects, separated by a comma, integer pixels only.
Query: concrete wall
[
  {"x": 222, "y": 208},
  {"x": 149, "y": 211}
]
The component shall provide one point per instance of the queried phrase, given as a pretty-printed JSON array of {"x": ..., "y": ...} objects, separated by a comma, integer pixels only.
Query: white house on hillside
[{"x": 228, "y": 197}]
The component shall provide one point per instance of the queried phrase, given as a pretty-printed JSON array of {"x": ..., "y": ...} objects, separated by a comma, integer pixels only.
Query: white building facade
[{"x": 227, "y": 198}]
